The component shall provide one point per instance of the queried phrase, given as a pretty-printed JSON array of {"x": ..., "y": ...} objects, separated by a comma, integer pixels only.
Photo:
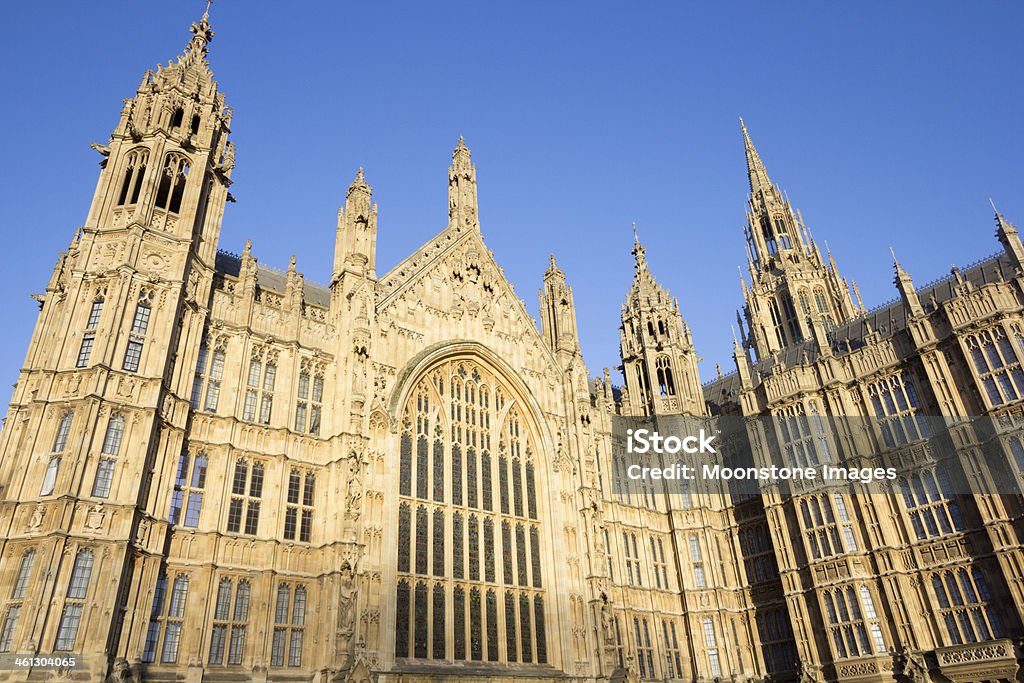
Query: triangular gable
[{"x": 458, "y": 258}]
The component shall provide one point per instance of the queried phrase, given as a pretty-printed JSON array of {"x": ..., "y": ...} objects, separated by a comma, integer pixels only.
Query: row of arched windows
[{"x": 170, "y": 185}]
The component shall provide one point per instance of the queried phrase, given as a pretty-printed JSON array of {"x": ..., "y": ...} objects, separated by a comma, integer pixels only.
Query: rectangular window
[
  {"x": 298, "y": 517},
  {"x": 94, "y": 315},
  {"x": 67, "y": 633},
  {"x": 209, "y": 373},
  {"x": 189, "y": 488},
  {"x": 247, "y": 500},
  {"x": 140, "y": 324},
  {"x": 260, "y": 394},
  {"x": 632, "y": 553},
  {"x": 85, "y": 350},
  {"x": 104, "y": 478},
  {"x": 312, "y": 407},
  {"x": 132, "y": 355},
  {"x": 10, "y": 623},
  {"x": 288, "y": 634}
]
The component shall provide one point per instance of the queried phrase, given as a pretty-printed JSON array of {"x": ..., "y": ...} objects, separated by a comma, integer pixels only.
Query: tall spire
[{"x": 756, "y": 172}]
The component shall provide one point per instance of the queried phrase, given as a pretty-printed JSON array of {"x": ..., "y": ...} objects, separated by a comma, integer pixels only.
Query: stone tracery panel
[{"x": 463, "y": 435}]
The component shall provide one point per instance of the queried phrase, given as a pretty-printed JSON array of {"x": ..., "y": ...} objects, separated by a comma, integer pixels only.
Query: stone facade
[{"x": 215, "y": 471}]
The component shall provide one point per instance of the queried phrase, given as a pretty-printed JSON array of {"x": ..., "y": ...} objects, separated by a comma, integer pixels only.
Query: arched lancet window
[
  {"x": 177, "y": 118},
  {"x": 820, "y": 300},
  {"x": 769, "y": 235},
  {"x": 462, "y": 437},
  {"x": 666, "y": 383},
  {"x": 172, "y": 183},
  {"x": 134, "y": 174},
  {"x": 805, "y": 302}
]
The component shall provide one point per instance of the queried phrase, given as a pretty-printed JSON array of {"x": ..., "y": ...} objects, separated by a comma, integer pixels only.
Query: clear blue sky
[{"x": 890, "y": 124}]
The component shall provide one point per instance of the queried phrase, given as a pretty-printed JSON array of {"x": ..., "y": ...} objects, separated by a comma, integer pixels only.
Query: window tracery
[{"x": 460, "y": 437}]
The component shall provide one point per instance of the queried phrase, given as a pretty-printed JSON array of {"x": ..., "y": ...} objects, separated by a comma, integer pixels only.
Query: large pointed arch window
[{"x": 469, "y": 563}]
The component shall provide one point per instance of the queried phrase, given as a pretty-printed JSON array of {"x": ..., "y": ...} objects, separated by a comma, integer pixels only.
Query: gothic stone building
[{"x": 216, "y": 471}]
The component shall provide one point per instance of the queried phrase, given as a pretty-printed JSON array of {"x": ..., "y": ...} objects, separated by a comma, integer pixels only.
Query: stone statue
[{"x": 346, "y": 607}]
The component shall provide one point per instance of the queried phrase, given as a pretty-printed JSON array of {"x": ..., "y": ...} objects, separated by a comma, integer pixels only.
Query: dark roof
[{"x": 272, "y": 279}]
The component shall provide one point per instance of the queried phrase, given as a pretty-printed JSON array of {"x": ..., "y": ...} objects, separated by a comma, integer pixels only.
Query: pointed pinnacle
[{"x": 756, "y": 172}]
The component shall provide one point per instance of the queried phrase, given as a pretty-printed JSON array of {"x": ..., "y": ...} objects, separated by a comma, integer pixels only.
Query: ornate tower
[
  {"x": 791, "y": 283},
  {"x": 658, "y": 358},
  {"x": 558, "y": 313},
  {"x": 101, "y": 405},
  {"x": 355, "y": 245}
]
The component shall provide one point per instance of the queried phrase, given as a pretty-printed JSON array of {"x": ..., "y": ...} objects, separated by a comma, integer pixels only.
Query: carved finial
[
  {"x": 247, "y": 250},
  {"x": 359, "y": 174},
  {"x": 291, "y": 265},
  {"x": 638, "y": 251},
  {"x": 201, "y": 37},
  {"x": 551, "y": 261}
]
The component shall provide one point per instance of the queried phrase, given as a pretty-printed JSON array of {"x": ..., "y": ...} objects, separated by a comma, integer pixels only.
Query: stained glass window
[
  {"x": 471, "y": 499},
  {"x": 485, "y": 481},
  {"x": 457, "y": 552},
  {"x": 535, "y": 556},
  {"x": 524, "y": 627},
  {"x": 420, "y": 612},
  {"x": 405, "y": 466},
  {"x": 460, "y": 622},
  {"x": 421, "y": 467},
  {"x": 421, "y": 540},
  {"x": 474, "y": 549},
  {"x": 402, "y": 621},
  {"x": 438, "y": 542},
  {"x": 476, "y": 644},
  {"x": 489, "y": 550},
  {"x": 492, "y": 625},
  {"x": 506, "y": 555},
  {"x": 438, "y": 621},
  {"x": 521, "y": 553},
  {"x": 542, "y": 644},
  {"x": 517, "y": 486},
  {"x": 531, "y": 493},
  {"x": 510, "y": 627},
  {"x": 455, "y": 427},
  {"x": 404, "y": 522},
  {"x": 503, "y": 483}
]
